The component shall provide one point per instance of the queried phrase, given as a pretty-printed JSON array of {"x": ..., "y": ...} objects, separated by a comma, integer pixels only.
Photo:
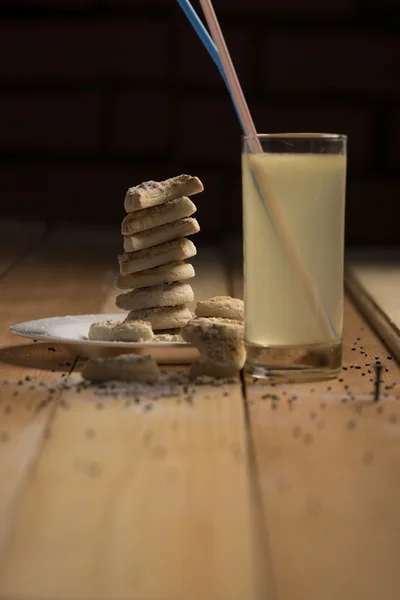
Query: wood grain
[
  {"x": 373, "y": 281},
  {"x": 138, "y": 500},
  {"x": 72, "y": 269},
  {"x": 327, "y": 459},
  {"x": 67, "y": 273},
  {"x": 183, "y": 492},
  {"x": 377, "y": 272},
  {"x": 148, "y": 499}
]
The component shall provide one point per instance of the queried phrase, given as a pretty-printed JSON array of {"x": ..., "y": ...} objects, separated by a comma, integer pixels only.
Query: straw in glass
[
  {"x": 208, "y": 43},
  {"x": 262, "y": 184}
]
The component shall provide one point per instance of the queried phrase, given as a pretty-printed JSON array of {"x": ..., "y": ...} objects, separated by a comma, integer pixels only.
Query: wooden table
[{"x": 289, "y": 492}]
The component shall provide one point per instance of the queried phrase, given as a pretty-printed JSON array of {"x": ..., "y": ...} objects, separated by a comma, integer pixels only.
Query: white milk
[{"x": 310, "y": 191}]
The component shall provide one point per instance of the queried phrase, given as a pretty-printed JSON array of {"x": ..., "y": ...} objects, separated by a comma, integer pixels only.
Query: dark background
[{"x": 99, "y": 96}]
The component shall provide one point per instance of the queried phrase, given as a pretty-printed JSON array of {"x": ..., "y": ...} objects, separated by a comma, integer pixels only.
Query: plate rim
[{"x": 17, "y": 330}]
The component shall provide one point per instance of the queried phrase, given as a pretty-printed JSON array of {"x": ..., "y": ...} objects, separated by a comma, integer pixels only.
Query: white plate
[{"x": 73, "y": 330}]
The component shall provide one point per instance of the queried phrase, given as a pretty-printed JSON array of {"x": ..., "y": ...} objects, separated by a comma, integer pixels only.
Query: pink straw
[
  {"x": 231, "y": 75},
  {"x": 264, "y": 186}
]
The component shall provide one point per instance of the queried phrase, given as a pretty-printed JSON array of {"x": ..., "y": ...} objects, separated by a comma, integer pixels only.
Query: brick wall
[{"x": 96, "y": 96}]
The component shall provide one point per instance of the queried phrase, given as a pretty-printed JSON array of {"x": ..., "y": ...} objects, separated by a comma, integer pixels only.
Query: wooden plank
[
  {"x": 373, "y": 280},
  {"x": 148, "y": 499},
  {"x": 328, "y": 459},
  {"x": 128, "y": 502},
  {"x": 71, "y": 271},
  {"x": 16, "y": 239},
  {"x": 378, "y": 319},
  {"x": 67, "y": 273},
  {"x": 377, "y": 270}
]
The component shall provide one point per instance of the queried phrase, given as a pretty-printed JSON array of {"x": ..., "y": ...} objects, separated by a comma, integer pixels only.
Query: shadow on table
[{"x": 45, "y": 356}]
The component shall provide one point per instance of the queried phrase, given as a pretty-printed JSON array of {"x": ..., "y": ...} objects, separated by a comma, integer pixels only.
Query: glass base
[{"x": 293, "y": 363}]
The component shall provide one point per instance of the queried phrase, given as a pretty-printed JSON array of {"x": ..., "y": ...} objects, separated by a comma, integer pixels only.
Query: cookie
[
  {"x": 168, "y": 335},
  {"x": 148, "y": 218},
  {"x": 239, "y": 325},
  {"x": 168, "y": 294},
  {"x": 132, "y": 331},
  {"x": 162, "y": 317},
  {"x": 152, "y": 193},
  {"x": 133, "y": 262},
  {"x": 101, "y": 330},
  {"x": 161, "y": 234},
  {"x": 127, "y": 367},
  {"x": 219, "y": 343},
  {"x": 221, "y": 306},
  {"x": 174, "y": 271}
]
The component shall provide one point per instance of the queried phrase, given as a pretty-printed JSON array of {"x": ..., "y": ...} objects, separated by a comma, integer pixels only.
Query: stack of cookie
[
  {"x": 217, "y": 332},
  {"x": 152, "y": 267}
]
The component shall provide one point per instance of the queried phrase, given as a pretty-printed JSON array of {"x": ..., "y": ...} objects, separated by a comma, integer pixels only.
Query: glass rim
[{"x": 303, "y": 136}]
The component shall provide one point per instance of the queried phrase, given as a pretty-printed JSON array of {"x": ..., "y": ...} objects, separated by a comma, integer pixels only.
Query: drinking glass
[{"x": 306, "y": 174}]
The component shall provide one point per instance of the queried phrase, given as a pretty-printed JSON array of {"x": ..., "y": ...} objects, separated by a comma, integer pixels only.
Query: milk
[{"x": 310, "y": 191}]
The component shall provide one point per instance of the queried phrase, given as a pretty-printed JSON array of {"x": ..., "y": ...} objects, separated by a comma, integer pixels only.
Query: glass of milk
[{"x": 307, "y": 176}]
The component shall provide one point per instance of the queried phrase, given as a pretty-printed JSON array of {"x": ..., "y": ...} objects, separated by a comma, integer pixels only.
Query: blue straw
[{"x": 209, "y": 45}]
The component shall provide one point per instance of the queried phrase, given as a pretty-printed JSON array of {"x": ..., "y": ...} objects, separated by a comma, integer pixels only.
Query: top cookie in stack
[{"x": 152, "y": 266}]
